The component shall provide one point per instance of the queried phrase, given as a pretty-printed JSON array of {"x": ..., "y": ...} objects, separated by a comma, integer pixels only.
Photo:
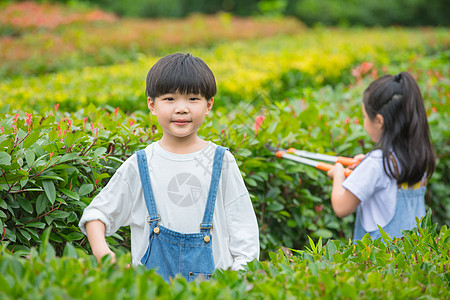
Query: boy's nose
[{"x": 181, "y": 107}]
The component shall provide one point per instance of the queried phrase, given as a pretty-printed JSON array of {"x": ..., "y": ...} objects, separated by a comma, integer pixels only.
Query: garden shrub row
[
  {"x": 413, "y": 267},
  {"x": 45, "y": 38},
  {"x": 245, "y": 70},
  {"x": 54, "y": 162}
]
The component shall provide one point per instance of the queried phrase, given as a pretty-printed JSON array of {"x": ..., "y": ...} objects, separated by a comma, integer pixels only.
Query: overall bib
[
  {"x": 410, "y": 204},
  {"x": 172, "y": 252}
]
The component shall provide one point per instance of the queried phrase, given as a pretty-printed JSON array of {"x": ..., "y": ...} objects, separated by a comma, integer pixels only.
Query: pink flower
[
  {"x": 131, "y": 122},
  {"x": 258, "y": 121},
  {"x": 16, "y": 117},
  {"x": 347, "y": 120},
  {"x": 69, "y": 123},
  {"x": 116, "y": 111},
  {"x": 56, "y": 107},
  {"x": 28, "y": 121}
]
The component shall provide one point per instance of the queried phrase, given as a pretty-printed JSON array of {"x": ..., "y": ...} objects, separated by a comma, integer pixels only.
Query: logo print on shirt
[{"x": 184, "y": 189}]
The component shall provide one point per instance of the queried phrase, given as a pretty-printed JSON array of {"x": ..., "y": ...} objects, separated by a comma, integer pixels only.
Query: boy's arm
[
  {"x": 95, "y": 231},
  {"x": 243, "y": 231}
]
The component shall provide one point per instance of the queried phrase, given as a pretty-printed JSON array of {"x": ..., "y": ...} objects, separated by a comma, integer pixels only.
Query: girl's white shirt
[
  {"x": 375, "y": 189},
  {"x": 180, "y": 184}
]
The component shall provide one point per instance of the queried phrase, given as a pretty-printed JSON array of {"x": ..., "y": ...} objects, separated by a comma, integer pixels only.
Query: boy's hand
[
  {"x": 99, "y": 256},
  {"x": 95, "y": 231}
]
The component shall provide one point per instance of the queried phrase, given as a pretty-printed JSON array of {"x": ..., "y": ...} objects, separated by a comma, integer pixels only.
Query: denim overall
[
  {"x": 410, "y": 204},
  {"x": 172, "y": 252}
]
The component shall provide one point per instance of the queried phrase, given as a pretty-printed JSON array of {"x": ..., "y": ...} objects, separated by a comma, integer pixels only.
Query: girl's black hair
[
  {"x": 180, "y": 73},
  {"x": 399, "y": 100}
]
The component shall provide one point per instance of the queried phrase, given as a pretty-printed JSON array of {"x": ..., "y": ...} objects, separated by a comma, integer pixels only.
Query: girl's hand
[
  {"x": 359, "y": 158},
  {"x": 337, "y": 171}
]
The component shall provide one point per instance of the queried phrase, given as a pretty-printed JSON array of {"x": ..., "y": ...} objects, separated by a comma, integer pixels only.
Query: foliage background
[
  {"x": 326, "y": 12},
  {"x": 73, "y": 109}
]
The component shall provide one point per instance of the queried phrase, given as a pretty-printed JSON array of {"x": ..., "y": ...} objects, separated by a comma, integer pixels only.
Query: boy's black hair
[
  {"x": 399, "y": 100},
  {"x": 180, "y": 73}
]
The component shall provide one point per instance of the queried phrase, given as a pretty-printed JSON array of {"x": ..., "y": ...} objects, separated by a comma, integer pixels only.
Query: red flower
[
  {"x": 131, "y": 122},
  {"x": 347, "y": 120},
  {"x": 116, "y": 111},
  {"x": 258, "y": 121},
  {"x": 28, "y": 121},
  {"x": 56, "y": 107}
]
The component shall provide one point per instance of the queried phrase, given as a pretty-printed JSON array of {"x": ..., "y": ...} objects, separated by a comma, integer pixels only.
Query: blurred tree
[{"x": 327, "y": 12}]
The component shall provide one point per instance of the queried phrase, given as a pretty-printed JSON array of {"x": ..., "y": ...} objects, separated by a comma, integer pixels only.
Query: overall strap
[
  {"x": 210, "y": 204},
  {"x": 147, "y": 188}
]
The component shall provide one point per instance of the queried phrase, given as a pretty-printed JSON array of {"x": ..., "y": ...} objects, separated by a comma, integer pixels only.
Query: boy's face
[{"x": 179, "y": 115}]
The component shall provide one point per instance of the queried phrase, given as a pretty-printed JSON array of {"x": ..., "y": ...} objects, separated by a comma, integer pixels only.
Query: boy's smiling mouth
[{"x": 181, "y": 121}]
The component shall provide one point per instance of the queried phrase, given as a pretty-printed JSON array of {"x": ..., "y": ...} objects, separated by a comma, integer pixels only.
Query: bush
[
  {"x": 412, "y": 267},
  {"x": 373, "y": 13},
  {"x": 54, "y": 163}
]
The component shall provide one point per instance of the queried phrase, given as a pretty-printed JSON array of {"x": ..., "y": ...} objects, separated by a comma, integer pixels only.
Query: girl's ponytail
[{"x": 421, "y": 155}]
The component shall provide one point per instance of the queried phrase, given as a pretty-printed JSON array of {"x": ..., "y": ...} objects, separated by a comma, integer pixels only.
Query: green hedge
[
  {"x": 415, "y": 266},
  {"x": 53, "y": 163}
]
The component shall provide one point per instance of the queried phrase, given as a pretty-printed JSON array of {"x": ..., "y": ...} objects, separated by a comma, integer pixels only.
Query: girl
[{"x": 388, "y": 187}]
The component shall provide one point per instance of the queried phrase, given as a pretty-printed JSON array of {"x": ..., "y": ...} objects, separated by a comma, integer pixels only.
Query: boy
[{"x": 178, "y": 193}]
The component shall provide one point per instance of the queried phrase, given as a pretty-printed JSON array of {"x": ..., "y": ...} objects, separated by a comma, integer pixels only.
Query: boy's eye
[
  {"x": 194, "y": 98},
  {"x": 169, "y": 99}
]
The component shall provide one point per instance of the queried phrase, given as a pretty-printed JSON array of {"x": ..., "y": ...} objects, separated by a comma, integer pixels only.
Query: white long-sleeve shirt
[{"x": 180, "y": 184}]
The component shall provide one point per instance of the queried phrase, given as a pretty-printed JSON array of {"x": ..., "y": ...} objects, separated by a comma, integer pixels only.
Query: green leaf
[
  {"x": 67, "y": 157},
  {"x": 70, "y": 194},
  {"x": 58, "y": 214},
  {"x": 3, "y": 204},
  {"x": 323, "y": 233},
  {"x": 41, "y": 203},
  {"x": 14, "y": 177},
  {"x": 51, "y": 177},
  {"x": 25, "y": 204},
  {"x": 30, "y": 157},
  {"x": 5, "y": 159},
  {"x": 31, "y": 139},
  {"x": 275, "y": 206},
  {"x": 50, "y": 191},
  {"x": 9, "y": 234},
  {"x": 36, "y": 225},
  {"x": 85, "y": 189},
  {"x": 70, "y": 251},
  {"x": 384, "y": 235},
  {"x": 75, "y": 236},
  {"x": 25, "y": 234}
]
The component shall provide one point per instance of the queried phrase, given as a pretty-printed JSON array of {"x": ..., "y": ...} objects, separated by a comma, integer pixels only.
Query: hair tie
[{"x": 398, "y": 77}]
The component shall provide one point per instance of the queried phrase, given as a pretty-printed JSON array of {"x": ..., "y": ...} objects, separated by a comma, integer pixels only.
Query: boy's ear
[
  {"x": 209, "y": 105},
  {"x": 151, "y": 105},
  {"x": 379, "y": 119}
]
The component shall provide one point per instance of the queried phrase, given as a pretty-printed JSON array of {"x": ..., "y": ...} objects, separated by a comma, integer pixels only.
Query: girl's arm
[
  {"x": 95, "y": 231},
  {"x": 343, "y": 201}
]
